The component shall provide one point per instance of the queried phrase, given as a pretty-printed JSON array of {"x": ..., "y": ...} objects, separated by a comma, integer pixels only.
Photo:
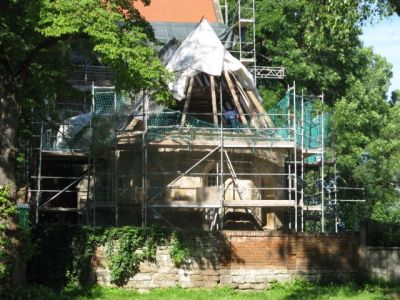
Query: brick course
[{"x": 248, "y": 260}]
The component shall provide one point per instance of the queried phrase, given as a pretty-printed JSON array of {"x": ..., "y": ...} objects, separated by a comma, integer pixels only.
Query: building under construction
[{"x": 216, "y": 160}]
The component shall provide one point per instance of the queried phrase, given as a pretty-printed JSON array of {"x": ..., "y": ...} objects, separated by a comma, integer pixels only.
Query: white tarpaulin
[
  {"x": 70, "y": 129},
  {"x": 202, "y": 51}
]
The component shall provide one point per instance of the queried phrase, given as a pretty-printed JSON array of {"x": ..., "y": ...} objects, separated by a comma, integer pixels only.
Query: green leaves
[
  {"x": 318, "y": 44},
  {"x": 8, "y": 210},
  {"x": 118, "y": 35},
  {"x": 38, "y": 39},
  {"x": 180, "y": 249},
  {"x": 126, "y": 248}
]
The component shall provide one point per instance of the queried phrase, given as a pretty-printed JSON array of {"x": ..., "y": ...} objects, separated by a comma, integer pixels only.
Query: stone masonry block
[
  {"x": 238, "y": 279},
  {"x": 244, "y": 286},
  {"x": 258, "y": 286},
  {"x": 250, "y": 279},
  {"x": 225, "y": 279},
  {"x": 147, "y": 268},
  {"x": 142, "y": 277}
]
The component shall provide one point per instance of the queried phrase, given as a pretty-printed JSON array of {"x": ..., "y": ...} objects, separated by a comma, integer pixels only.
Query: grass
[{"x": 293, "y": 290}]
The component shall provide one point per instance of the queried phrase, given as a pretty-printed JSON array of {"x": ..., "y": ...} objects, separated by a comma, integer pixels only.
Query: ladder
[
  {"x": 234, "y": 176},
  {"x": 237, "y": 188}
]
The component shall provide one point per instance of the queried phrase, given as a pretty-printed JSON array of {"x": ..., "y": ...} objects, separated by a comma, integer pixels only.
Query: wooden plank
[
  {"x": 235, "y": 98},
  {"x": 188, "y": 204},
  {"x": 214, "y": 100},
  {"x": 59, "y": 209},
  {"x": 249, "y": 104},
  {"x": 259, "y": 203},
  {"x": 187, "y": 102},
  {"x": 260, "y": 108},
  {"x": 312, "y": 207}
]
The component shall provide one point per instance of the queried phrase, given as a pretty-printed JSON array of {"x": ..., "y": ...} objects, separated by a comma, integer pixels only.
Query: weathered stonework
[{"x": 246, "y": 260}]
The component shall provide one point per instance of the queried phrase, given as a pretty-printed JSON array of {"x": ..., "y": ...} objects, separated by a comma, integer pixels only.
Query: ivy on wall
[
  {"x": 64, "y": 254},
  {"x": 15, "y": 239},
  {"x": 7, "y": 211}
]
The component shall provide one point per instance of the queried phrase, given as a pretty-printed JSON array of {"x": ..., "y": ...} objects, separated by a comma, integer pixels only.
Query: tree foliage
[
  {"x": 38, "y": 40},
  {"x": 318, "y": 44}
]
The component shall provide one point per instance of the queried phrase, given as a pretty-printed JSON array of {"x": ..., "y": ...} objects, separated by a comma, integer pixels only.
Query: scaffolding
[
  {"x": 128, "y": 161},
  {"x": 226, "y": 177},
  {"x": 243, "y": 23}
]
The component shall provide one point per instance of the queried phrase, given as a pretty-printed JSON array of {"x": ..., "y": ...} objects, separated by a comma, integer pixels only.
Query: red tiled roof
[{"x": 185, "y": 11}]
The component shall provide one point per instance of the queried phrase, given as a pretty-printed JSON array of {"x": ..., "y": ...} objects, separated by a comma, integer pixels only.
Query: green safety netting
[
  {"x": 280, "y": 118},
  {"x": 313, "y": 121},
  {"x": 167, "y": 122},
  {"x": 107, "y": 102}
]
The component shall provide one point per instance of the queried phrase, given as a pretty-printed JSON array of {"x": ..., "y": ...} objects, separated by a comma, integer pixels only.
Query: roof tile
[{"x": 185, "y": 11}]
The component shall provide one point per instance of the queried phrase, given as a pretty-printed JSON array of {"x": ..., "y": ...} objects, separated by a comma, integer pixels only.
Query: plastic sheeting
[
  {"x": 202, "y": 51},
  {"x": 70, "y": 129}
]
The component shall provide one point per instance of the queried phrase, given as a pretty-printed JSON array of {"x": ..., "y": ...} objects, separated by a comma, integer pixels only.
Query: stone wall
[
  {"x": 247, "y": 260},
  {"x": 382, "y": 262}
]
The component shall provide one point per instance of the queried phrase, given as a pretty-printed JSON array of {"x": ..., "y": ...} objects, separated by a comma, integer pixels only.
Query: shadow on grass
[
  {"x": 294, "y": 290},
  {"x": 328, "y": 290}
]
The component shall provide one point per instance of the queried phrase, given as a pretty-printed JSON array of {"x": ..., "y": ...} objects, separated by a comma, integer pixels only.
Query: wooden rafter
[
  {"x": 214, "y": 100},
  {"x": 260, "y": 108},
  {"x": 187, "y": 102},
  {"x": 249, "y": 104},
  {"x": 235, "y": 98}
]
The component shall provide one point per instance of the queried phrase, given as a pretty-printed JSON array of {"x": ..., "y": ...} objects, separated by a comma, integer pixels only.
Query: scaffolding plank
[
  {"x": 312, "y": 207},
  {"x": 185, "y": 204},
  {"x": 187, "y": 102},
  {"x": 214, "y": 100},
  {"x": 59, "y": 209},
  {"x": 231, "y": 143},
  {"x": 235, "y": 98},
  {"x": 259, "y": 203}
]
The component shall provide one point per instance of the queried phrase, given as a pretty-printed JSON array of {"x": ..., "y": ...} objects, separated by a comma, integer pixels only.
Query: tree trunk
[
  {"x": 9, "y": 115},
  {"x": 9, "y": 118}
]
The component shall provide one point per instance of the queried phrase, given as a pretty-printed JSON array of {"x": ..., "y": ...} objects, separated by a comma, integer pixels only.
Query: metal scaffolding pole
[
  {"x": 302, "y": 164},
  {"x": 322, "y": 167},
  {"x": 115, "y": 159},
  {"x": 335, "y": 195},
  {"x": 144, "y": 161},
  {"x": 39, "y": 179},
  {"x": 93, "y": 158},
  {"x": 240, "y": 30},
  {"x": 295, "y": 156},
  {"x": 221, "y": 169},
  {"x": 254, "y": 42}
]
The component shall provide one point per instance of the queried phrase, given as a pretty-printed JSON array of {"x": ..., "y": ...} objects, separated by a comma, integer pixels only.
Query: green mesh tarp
[
  {"x": 282, "y": 115},
  {"x": 108, "y": 111},
  {"x": 167, "y": 122},
  {"x": 312, "y": 123},
  {"x": 280, "y": 118},
  {"x": 107, "y": 102}
]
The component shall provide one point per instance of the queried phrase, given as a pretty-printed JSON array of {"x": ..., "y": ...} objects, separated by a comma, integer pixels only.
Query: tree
[
  {"x": 319, "y": 46},
  {"x": 361, "y": 116},
  {"x": 394, "y": 97},
  {"x": 36, "y": 42},
  {"x": 316, "y": 42}
]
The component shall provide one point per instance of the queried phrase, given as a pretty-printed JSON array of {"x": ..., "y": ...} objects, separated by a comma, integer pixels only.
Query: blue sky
[{"x": 384, "y": 37}]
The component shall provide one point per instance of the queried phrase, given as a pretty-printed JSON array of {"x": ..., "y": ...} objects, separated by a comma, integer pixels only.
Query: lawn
[{"x": 294, "y": 290}]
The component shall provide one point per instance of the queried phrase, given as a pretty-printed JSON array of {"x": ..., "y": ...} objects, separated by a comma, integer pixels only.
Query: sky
[{"x": 384, "y": 37}]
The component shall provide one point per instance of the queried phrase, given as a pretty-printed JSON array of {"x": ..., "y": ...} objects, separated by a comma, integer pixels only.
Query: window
[{"x": 211, "y": 178}]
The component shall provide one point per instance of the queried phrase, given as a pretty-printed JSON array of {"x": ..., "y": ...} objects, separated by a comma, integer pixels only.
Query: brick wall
[{"x": 248, "y": 260}]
